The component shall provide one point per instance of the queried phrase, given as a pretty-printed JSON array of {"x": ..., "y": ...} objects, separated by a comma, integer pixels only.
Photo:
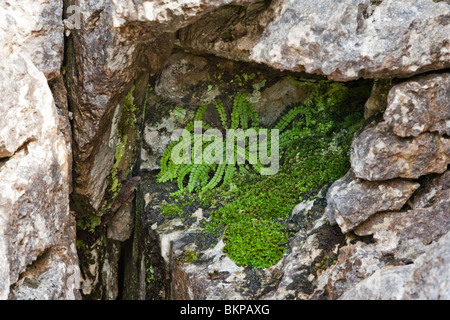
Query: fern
[{"x": 207, "y": 175}]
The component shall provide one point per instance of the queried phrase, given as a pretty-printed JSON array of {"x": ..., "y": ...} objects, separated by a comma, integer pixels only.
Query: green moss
[
  {"x": 255, "y": 242},
  {"x": 88, "y": 223},
  {"x": 171, "y": 209},
  {"x": 189, "y": 256},
  {"x": 314, "y": 149}
]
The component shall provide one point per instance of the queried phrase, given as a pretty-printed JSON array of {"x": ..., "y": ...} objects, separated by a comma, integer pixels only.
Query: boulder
[
  {"x": 36, "y": 227},
  {"x": 405, "y": 234},
  {"x": 163, "y": 15},
  {"x": 352, "y": 201},
  {"x": 350, "y": 39},
  {"x": 378, "y": 154},
  {"x": 428, "y": 278},
  {"x": 35, "y": 29},
  {"x": 420, "y": 105}
]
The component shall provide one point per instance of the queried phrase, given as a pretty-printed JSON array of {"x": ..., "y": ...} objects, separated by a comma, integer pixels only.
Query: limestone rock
[
  {"x": 102, "y": 64},
  {"x": 355, "y": 263},
  {"x": 377, "y": 101},
  {"x": 430, "y": 278},
  {"x": 406, "y": 234},
  {"x": 35, "y": 29},
  {"x": 207, "y": 274},
  {"x": 420, "y": 105},
  {"x": 229, "y": 32},
  {"x": 53, "y": 276},
  {"x": 427, "y": 279},
  {"x": 387, "y": 283},
  {"x": 121, "y": 225},
  {"x": 34, "y": 189},
  {"x": 350, "y": 39},
  {"x": 352, "y": 201},
  {"x": 378, "y": 154},
  {"x": 434, "y": 190},
  {"x": 164, "y": 15}
]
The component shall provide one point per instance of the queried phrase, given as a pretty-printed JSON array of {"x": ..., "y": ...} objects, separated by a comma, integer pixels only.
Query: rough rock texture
[
  {"x": 434, "y": 189},
  {"x": 350, "y": 39},
  {"x": 406, "y": 233},
  {"x": 229, "y": 32},
  {"x": 35, "y": 29},
  {"x": 35, "y": 222},
  {"x": 101, "y": 67},
  {"x": 355, "y": 263},
  {"x": 420, "y": 105},
  {"x": 378, "y": 154},
  {"x": 163, "y": 14},
  {"x": 403, "y": 243},
  {"x": 427, "y": 279},
  {"x": 352, "y": 201}
]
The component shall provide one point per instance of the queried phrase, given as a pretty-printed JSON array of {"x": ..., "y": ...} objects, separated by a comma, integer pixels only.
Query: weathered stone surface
[
  {"x": 229, "y": 32},
  {"x": 352, "y": 201},
  {"x": 420, "y": 105},
  {"x": 179, "y": 76},
  {"x": 55, "y": 275},
  {"x": 165, "y": 15},
  {"x": 35, "y": 29},
  {"x": 377, "y": 101},
  {"x": 378, "y": 154},
  {"x": 102, "y": 64},
  {"x": 427, "y": 279},
  {"x": 387, "y": 283},
  {"x": 350, "y": 39},
  {"x": 121, "y": 225},
  {"x": 406, "y": 234},
  {"x": 34, "y": 193},
  {"x": 434, "y": 190},
  {"x": 355, "y": 263},
  {"x": 210, "y": 274},
  {"x": 430, "y": 278}
]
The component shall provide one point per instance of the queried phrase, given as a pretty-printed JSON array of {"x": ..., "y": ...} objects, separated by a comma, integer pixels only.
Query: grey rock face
[
  {"x": 350, "y": 39},
  {"x": 427, "y": 279},
  {"x": 434, "y": 189},
  {"x": 420, "y": 105},
  {"x": 352, "y": 201},
  {"x": 34, "y": 189},
  {"x": 430, "y": 278},
  {"x": 229, "y": 32},
  {"x": 378, "y": 154},
  {"x": 406, "y": 233},
  {"x": 35, "y": 29},
  {"x": 166, "y": 15},
  {"x": 101, "y": 67}
]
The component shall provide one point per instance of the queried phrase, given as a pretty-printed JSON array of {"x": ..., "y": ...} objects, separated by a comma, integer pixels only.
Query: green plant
[
  {"x": 209, "y": 173},
  {"x": 255, "y": 242},
  {"x": 315, "y": 139}
]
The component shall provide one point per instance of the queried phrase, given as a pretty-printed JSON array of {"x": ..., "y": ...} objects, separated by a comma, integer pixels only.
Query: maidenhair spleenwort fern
[{"x": 208, "y": 174}]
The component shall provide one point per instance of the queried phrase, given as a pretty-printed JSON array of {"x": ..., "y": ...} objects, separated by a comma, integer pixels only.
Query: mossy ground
[{"x": 252, "y": 212}]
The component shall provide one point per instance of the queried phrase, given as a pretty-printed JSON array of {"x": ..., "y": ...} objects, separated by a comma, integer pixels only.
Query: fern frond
[
  {"x": 216, "y": 178},
  {"x": 222, "y": 114},
  {"x": 229, "y": 172},
  {"x": 185, "y": 170}
]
